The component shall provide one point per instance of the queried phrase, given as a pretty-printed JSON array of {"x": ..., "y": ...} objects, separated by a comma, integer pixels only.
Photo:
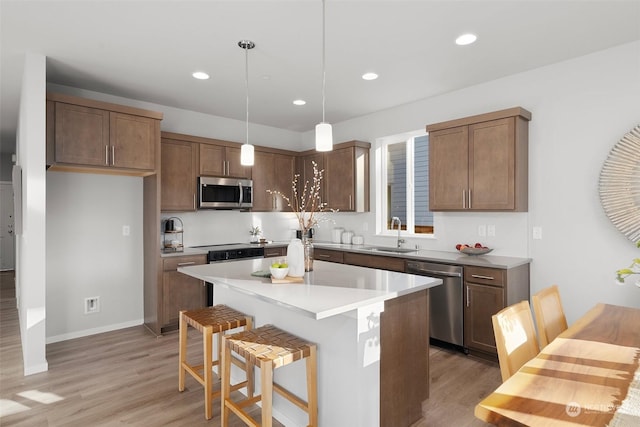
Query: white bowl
[{"x": 279, "y": 273}]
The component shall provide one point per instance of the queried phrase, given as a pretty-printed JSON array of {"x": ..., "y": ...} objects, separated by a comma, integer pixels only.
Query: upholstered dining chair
[
  {"x": 550, "y": 318},
  {"x": 515, "y": 337}
]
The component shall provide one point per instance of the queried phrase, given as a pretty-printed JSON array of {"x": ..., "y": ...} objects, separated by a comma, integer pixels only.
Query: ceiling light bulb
[
  {"x": 369, "y": 76},
  {"x": 246, "y": 155},
  {"x": 299, "y": 102},
  {"x": 466, "y": 39},
  {"x": 200, "y": 75},
  {"x": 324, "y": 137}
]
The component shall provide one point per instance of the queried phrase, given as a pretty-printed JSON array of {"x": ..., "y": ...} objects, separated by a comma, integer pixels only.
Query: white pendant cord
[
  {"x": 323, "y": 61},
  {"x": 246, "y": 74}
]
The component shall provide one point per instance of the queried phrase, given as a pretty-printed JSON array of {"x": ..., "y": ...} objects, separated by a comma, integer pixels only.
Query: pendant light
[
  {"x": 246, "y": 151},
  {"x": 324, "y": 134}
]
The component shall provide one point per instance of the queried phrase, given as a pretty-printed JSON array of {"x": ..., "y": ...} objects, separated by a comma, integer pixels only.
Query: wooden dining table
[{"x": 589, "y": 375}]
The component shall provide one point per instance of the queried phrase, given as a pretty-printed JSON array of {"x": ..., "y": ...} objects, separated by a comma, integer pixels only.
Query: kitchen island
[{"x": 371, "y": 328}]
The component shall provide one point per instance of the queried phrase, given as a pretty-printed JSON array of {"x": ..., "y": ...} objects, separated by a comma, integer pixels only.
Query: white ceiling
[{"x": 147, "y": 50}]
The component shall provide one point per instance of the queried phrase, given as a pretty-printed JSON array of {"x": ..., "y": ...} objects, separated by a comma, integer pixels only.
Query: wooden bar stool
[
  {"x": 209, "y": 321},
  {"x": 268, "y": 348}
]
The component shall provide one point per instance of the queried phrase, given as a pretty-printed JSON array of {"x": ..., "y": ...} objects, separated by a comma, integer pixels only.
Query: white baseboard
[
  {"x": 93, "y": 331},
  {"x": 43, "y": 367}
]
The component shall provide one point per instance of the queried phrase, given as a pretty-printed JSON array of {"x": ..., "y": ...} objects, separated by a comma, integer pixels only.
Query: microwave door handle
[{"x": 240, "y": 187}]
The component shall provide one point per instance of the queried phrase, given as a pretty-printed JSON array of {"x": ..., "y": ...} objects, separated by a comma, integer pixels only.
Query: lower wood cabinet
[
  {"x": 275, "y": 252},
  {"x": 487, "y": 291},
  {"x": 375, "y": 261},
  {"x": 179, "y": 291},
  {"x": 322, "y": 254}
]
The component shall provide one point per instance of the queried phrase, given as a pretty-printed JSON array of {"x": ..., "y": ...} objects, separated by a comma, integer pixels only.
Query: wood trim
[
  {"x": 92, "y": 103},
  {"x": 465, "y": 121},
  {"x": 199, "y": 139},
  {"x": 101, "y": 170},
  {"x": 347, "y": 144}
]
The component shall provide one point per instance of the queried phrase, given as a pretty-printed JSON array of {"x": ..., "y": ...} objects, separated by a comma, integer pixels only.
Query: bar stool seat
[
  {"x": 268, "y": 348},
  {"x": 209, "y": 321}
]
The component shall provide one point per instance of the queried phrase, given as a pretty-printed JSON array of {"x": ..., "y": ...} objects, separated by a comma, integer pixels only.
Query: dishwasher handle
[{"x": 412, "y": 268}]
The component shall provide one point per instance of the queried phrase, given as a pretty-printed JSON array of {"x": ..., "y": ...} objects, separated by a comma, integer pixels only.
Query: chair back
[
  {"x": 515, "y": 337},
  {"x": 550, "y": 318}
]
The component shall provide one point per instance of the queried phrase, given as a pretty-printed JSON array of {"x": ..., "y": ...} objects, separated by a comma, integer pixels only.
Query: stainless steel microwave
[{"x": 224, "y": 193}]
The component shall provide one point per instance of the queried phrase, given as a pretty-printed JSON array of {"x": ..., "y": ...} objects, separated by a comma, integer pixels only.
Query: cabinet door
[
  {"x": 263, "y": 179},
  {"x": 339, "y": 179},
  {"x": 81, "y": 135},
  {"x": 133, "y": 141},
  {"x": 212, "y": 158},
  {"x": 284, "y": 170},
  {"x": 234, "y": 168},
  {"x": 180, "y": 292},
  {"x": 275, "y": 252},
  {"x": 481, "y": 302},
  {"x": 375, "y": 261},
  {"x": 448, "y": 169},
  {"x": 178, "y": 175},
  {"x": 306, "y": 172},
  {"x": 492, "y": 165}
]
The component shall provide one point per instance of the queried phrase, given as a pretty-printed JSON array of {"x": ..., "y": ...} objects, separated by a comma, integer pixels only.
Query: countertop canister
[{"x": 336, "y": 235}]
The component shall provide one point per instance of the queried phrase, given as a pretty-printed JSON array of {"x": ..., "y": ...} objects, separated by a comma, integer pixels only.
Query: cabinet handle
[
  {"x": 323, "y": 256},
  {"x": 469, "y": 198},
  {"x": 113, "y": 155},
  {"x": 180, "y": 264},
  {"x": 350, "y": 203},
  {"x": 194, "y": 200},
  {"x": 478, "y": 276},
  {"x": 464, "y": 199},
  {"x": 468, "y": 298},
  {"x": 106, "y": 155}
]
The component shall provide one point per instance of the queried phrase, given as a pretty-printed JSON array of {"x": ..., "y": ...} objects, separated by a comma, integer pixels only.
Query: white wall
[
  {"x": 580, "y": 108},
  {"x": 88, "y": 256},
  {"x": 30, "y": 245}
]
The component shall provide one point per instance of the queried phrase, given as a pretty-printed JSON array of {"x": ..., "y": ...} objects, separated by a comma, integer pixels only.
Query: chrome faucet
[{"x": 394, "y": 220}]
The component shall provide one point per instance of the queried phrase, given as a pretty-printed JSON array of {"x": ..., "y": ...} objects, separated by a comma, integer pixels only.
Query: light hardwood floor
[{"x": 130, "y": 377}]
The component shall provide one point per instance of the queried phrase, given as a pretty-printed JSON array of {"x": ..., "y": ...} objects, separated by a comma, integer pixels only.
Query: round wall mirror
[{"x": 620, "y": 185}]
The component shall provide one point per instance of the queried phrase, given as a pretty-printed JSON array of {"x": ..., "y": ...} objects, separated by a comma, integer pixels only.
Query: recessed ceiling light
[
  {"x": 200, "y": 75},
  {"x": 299, "y": 102},
  {"x": 466, "y": 39},
  {"x": 369, "y": 76}
]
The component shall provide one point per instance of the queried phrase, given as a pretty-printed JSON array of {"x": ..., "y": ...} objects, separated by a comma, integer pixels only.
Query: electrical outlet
[
  {"x": 126, "y": 230},
  {"x": 491, "y": 230},
  {"x": 482, "y": 230},
  {"x": 91, "y": 305},
  {"x": 537, "y": 233}
]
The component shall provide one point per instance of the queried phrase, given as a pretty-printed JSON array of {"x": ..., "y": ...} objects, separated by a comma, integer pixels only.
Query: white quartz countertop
[{"x": 330, "y": 289}]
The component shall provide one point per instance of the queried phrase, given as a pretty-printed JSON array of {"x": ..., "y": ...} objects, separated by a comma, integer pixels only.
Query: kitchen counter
[
  {"x": 371, "y": 327},
  {"x": 446, "y": 257},
  {"x": 329, "y": 290}
]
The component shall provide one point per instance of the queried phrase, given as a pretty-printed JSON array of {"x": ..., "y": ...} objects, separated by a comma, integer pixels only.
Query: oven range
[{"x": 229, "y": 252}]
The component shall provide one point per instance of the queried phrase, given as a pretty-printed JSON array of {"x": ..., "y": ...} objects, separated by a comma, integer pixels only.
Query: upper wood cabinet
[
  {"x": 222, "y": 159},
  {"x": 272, "y": 171},
  {"x": 345, "y": 184},
  {"x": 480, "y": 163},
  {"x": 179, "y": 163},
  {"x": 94, "y": 136}
]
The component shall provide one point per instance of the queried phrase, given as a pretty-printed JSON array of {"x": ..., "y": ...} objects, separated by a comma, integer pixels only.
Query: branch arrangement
[
  {"x": 634, "y": 268},
  {"x": 308, "y": 206}
]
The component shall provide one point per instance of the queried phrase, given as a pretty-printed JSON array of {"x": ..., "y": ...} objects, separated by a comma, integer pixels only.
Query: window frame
[{"x": 381, "y": 185}]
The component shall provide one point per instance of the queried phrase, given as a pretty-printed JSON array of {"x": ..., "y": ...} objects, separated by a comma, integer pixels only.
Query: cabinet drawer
[
  {"x": 375, "y": 261},
  {"x": 172, "y": 263},
  {"x": 485, "y": 276},
  {"x": 274, "y": 252},
  {"x": 328, "y": 255}
]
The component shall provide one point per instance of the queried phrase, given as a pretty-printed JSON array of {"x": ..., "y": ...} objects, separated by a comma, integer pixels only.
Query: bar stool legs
[
  {"x": 209, "y": 321},
  {"x": 268, "y": 348}
]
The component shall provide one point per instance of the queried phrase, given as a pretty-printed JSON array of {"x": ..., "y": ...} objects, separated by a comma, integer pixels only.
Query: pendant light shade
[
  {"x": 324, "y": 133},
  {"x": 246, "y": 155},
  {"x": 324, "y": 137},
  {"x": 246, "y": 152}
]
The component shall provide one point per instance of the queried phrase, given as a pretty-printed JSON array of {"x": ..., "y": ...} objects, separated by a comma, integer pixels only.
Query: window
[{"x": 403, "y": 183}]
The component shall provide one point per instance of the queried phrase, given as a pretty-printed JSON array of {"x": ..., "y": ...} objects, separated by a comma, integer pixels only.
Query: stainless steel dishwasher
[{"x": 445, "y": 301}]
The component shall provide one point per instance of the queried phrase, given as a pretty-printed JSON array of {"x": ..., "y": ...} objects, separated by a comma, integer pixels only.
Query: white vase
[{"x": 295, "y": 258}]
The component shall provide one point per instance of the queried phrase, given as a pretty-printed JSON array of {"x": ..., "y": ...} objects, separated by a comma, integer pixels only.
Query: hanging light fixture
[
  {"x": 246, "y": 151},
  {"x": 324, "y": 134}
]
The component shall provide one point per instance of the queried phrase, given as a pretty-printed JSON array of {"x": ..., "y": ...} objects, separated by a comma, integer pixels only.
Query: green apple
[
  {"x": 284, "y": 265},
  {"x": 275, "y": 265}
]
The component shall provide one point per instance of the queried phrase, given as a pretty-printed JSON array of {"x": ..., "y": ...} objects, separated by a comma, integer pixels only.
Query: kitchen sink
[{"x": 388, "y": 249}]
